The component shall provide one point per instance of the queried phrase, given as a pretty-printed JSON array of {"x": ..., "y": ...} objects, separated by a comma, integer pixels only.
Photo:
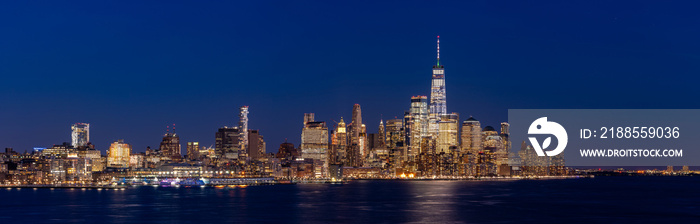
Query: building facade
[
  {"x": 448, "y": 133},
  {"x": 119, "y": 154},
  {"x": 314, "y": 144},
  {"x": 471, "y": 136},
  {"x": 192, "y": 150},
  {"x": 170, "y": 146},
  {"x": 417, "y": 124},
  {"x": 80, "y": 134}
]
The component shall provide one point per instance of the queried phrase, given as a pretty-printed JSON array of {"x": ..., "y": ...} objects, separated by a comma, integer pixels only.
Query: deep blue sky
[{"x": 131, "y": 68}]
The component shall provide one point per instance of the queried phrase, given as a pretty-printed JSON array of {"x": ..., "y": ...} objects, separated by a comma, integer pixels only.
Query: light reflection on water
[{"x": 602, "y": 199}]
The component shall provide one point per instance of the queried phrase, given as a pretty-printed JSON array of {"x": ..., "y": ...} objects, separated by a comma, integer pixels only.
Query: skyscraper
[
  {"x": 448, "y": 137},
  {"x": 314, "y": 144},
  {"x": 80, "y": 134},
  {"x": 438, "y": 97},
  {"x": 243, "y": 128},
  {"x": 364, "y": 151},
  {"x": 356, "y": 123},
  {"x": 357, "y": 144},
  {"x": 170, "y": 146},
  {"x": 256, "y": 144},
  {"x": 382, "y": 135},
  {"x": 395, "y": 133},
  {"x": 339, "y": 144},
  {"x": 227, "y": 141},
  {"x": 505, "y": 135},
  {"x": 118, "y": 155},
  {"x": 192, "y": 150},
  {"x": 471, "y": 136},
  {"x": 438, "y": 101},
  {"x": 417, "y": 125}
]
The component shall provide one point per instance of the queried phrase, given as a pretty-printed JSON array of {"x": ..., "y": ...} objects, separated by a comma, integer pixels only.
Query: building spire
[{"x": 438, "y": 50}]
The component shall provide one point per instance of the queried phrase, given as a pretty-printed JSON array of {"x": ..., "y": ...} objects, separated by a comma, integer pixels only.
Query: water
[{"x": 601, "y": 199}]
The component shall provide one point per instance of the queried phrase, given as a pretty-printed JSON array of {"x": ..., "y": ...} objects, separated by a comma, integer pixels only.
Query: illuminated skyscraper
[
  {"x": 438, "y": 102},
  {"x": 417, "y": 124},
  {"x": 438, "y": 97},
  {"x": 256, "y": 144},
  {"x": 382, "y": 135},
  {"x": 448, "y": 137},
  {"x": 227, "y": 141},
  {"x": 395, "y": 136},
  {"x": 471, "y": 136},
  {"x": 339, "y": 144},
  {"x": 363, "y": 142},
  {"x": 170, "y": 146},
  {"x": 243, "y": 128},
  {"x": 314, "y": 144},
  {"x": 356, "y": 123},
  {"x": 505, "y": 128},
  {"x": 192, "y": 150},
  {"x": 356, "y": 148},
  {"x": 505, "y": 135},
  {"x": 492, "y": 153},
  {"x": 118, "y": 154},
  {"x": 80, "y": 134}
]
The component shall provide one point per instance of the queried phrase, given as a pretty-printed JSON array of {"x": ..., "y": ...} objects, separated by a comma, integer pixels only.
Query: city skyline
[
  {"x": 427, "y": 145},
  {"x": 432, "y": 112},
  {"x": 428, "y": 117},
  {"x": 349, "y": 112},
  {"x": 132, "y": 86}
]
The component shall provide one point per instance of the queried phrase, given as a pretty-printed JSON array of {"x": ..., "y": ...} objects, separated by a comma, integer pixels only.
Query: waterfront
[{"x": 600, "y": 199}]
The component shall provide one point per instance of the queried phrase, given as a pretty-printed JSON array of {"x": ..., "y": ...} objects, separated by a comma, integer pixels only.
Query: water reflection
[
  {"x": 616, "y": 199},
  {"x": 432, "y": 201}
]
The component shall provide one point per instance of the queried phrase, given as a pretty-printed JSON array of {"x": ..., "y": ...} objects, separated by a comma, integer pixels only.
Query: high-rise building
[
  {"x": 170, "y": 146},
  {"x": 314, "y": 144},
  {"x": 505, "y": 128},
  {"x": 395, "y": 133},
  {"x": 192, "y": 150},
  {"x": 226, "y": 141},
  {"x": 417, "y": 124},
  {"x": 256, "y": 144},
  {"x": 363, "y": 144},
  {"x": 356, "y": 123},
  {"x": 381, "y": 135},
  {"x": 373, "y": 141},
  {"x": 505, "y": 136},
  {"x": 287, "y": 151},
  {"x": 357, "y": 144},
  {"x": 80, "y": 134},
  {"x": 438, "y": 96},
  {"x": 243, "y": 128},
  {"x": 118, "y": 154},
  {"x": 339, "y": 144},
  {"x": 471, "y": 136},
  {"x": 448, "y": 136}
]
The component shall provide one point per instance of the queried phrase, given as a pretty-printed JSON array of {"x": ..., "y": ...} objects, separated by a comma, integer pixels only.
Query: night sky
[{"x": 132, "y": 68}]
